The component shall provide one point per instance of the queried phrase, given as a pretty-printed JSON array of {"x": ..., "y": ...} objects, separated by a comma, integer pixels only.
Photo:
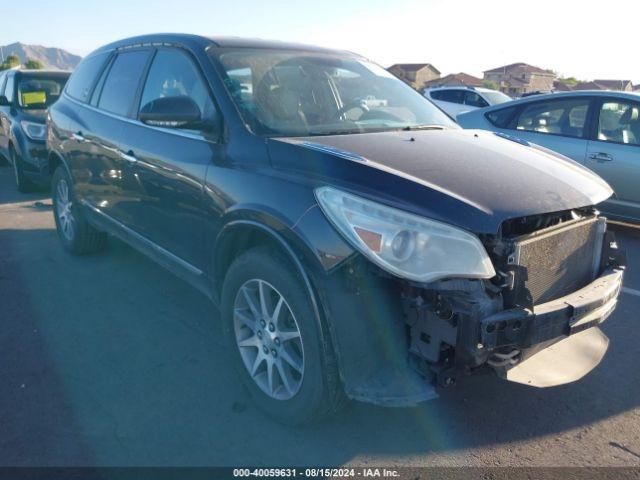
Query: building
[
  {"x": 519, "y": 78},
  {"x": 456, "y": 80},
  {"x": 559, "y": 86},
  {"x": 620, "y": 85},
  {"x": 415, "y": 74}
]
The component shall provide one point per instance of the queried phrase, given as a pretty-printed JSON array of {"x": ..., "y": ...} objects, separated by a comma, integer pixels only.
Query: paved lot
[{"x": 109, "y": 360}]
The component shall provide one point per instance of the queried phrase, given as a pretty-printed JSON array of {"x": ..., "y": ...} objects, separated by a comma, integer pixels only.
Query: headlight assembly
[
  {"x": 35, "y": 131},
  {"x": 406, "y": 245}
]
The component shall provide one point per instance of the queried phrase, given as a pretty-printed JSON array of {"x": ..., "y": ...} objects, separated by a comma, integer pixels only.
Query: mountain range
[{"x": 51, "y": 58}]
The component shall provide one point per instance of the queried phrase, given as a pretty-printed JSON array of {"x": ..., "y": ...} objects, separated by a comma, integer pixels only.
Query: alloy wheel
[
  {"x": 63, "y": 210},
  {"x": 268, "y": 339}
]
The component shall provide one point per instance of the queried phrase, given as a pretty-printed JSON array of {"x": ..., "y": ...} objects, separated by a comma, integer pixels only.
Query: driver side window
[{"x": 173, "y": 74}]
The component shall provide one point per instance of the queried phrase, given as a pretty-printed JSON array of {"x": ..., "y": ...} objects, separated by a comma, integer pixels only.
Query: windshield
[
  {"x": 494, "y": 98},
  {"x": 39, "y": 93},
  {"x": 297, "y": 93}
]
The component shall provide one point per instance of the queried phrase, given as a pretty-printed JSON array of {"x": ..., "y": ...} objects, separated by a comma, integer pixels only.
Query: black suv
[
  {"x": 358, "y": 243},
  {"x": 25, "y": 96}
]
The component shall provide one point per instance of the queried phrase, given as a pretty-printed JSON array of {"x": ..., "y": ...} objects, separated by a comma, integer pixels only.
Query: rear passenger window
[
  {"x": 173, "y": 74},
  {"x": 558, "y": 117},
  {"x": 122, "y": 82},
  {"x": 83, "y": 78},
  {"x": 453, "y": 96},
  {"x": 474, "y": 100}
]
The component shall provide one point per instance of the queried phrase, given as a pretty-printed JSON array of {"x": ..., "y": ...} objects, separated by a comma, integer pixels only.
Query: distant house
[
  {"x": 620, "y": 85},
  {"x": 636, "y": 88},
  {"x": 456, "y": 80},
  {"x": 519, "y": 78},
  {"x": 415, "y": 74},
  {"x": 559, "y": 86},
  {"x": 589, "y": 86}
]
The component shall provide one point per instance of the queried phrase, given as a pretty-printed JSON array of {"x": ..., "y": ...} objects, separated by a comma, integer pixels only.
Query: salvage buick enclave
[{"x": 358, "y": 243}]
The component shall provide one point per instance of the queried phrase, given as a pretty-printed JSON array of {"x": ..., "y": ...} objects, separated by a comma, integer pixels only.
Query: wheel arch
[{"x": 55, "y": 160}]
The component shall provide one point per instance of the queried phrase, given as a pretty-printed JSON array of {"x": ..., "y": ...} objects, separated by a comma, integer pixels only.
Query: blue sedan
[{"x": 599, "y": 129}]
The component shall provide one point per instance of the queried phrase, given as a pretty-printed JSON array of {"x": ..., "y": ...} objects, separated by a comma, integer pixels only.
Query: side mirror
[
  {"x": 171, "y": 112},
  {"x": 4, "y": 101}
]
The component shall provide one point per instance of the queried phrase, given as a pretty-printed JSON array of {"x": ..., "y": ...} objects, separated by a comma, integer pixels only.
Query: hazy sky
[{"x": 586, "y": 39}]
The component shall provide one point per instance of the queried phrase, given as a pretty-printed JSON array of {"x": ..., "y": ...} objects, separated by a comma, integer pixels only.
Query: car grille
[{"x": 556, "y": 261}]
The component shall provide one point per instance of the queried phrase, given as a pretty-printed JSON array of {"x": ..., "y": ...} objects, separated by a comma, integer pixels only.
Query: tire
[
  {"x": 23, "y": 184},
  {"x": 75, "y": 233},
  {"x": 310, "y": 394}
]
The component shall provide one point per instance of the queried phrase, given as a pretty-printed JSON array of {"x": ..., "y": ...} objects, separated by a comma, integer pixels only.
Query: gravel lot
[{"x": 109, "y": 360}]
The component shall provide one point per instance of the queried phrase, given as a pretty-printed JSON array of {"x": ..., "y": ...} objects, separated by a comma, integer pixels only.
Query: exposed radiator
[{"x": 556, "y": 261}]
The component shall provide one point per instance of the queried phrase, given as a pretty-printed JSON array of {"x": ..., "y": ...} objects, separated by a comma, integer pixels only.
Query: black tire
[
  {"x": 82, "y": 238},
  {"x": 23, "y": 184},
  {"x": 320, "y": 392}
]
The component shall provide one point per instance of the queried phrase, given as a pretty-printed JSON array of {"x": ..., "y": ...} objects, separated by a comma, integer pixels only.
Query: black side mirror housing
[
  {"x": 4, "y": 101},
  {"x": 172, "y": 112}
]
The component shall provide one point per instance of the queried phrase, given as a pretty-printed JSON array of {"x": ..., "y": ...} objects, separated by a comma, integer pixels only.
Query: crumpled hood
[{"x": 473, "y": 179}]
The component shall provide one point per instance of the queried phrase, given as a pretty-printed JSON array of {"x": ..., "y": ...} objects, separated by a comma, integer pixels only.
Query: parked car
[
  {"x": 457, "y": 100},
  {"x": 358, "y": 242},
  {"x": 598, "y": 129},
  {"x": 25, "y": 96}
]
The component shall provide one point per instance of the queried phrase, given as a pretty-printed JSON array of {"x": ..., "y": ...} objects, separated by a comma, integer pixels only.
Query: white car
[{"x": 457, "y": 100}]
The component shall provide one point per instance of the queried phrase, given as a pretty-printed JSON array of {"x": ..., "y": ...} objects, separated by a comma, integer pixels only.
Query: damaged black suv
[{"x": 358, "y": 243}]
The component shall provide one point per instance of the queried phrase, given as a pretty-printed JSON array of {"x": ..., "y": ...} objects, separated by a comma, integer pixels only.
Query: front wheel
[
  {"x": 75, "y": 233},
  {"x": 282, "y": 355}
]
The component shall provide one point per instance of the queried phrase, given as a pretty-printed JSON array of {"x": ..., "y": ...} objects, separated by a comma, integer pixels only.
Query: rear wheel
[
  {"x": 75, "y": 233},
  {"x": 281, "y": 353},
  {"x": 23, "y": 184}
]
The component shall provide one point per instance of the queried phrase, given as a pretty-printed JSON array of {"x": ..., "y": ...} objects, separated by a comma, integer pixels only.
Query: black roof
[{"x": 198, "y": 41}]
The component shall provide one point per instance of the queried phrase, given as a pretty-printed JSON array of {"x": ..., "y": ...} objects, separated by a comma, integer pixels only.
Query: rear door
[
  {"x": 450, "y": 100},
  {"x": 560, "y": 124},
  {"x": 171, "y": 163},
  {"x": 111, "y": 184},
  {"x": 614, "y": 154}
]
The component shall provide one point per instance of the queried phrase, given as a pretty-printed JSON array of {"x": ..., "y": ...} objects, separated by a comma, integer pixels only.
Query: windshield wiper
[{"x": 413, "y": 128}]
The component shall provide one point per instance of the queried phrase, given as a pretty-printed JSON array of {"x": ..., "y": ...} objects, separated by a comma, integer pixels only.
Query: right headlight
[{"x": 406, "y": 245}]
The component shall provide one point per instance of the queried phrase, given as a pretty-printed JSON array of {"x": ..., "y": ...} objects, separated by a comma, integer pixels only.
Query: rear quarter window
[
  {"x": 83, "y": 78},
  {"x": 501, "y": 118}
]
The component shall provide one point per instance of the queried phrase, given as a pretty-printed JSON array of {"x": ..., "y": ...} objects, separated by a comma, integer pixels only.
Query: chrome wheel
[
  {"x": 63, "y": 210},
  {"x": 269, "y": 340}
]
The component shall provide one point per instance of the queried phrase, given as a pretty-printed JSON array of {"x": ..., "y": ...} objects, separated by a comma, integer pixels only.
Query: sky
[{"x": 585, "y": 39}]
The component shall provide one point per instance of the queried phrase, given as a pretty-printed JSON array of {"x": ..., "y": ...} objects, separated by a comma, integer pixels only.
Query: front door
[
  {"x": 614, "y": 154},
  {"x": 171, "y": 163}
]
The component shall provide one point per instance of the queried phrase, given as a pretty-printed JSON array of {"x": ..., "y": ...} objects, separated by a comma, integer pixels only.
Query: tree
[
  {"x": 570, "y": 81},
  {"x": 32, "y": 64},
  {"x": 491, "y": 85},
  {"x": 10, "y": 62}
]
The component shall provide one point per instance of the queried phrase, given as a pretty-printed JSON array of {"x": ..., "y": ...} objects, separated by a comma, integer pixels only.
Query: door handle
[
  {"x": 129, "y": 157},
  {"x": 78, "y": 137},
  {"x": 601, "y": 157}
]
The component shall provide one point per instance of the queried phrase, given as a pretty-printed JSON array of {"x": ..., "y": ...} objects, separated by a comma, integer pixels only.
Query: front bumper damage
[
  {"x": 558, "y": 342},
  {"x": 453, "y": 328}
]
